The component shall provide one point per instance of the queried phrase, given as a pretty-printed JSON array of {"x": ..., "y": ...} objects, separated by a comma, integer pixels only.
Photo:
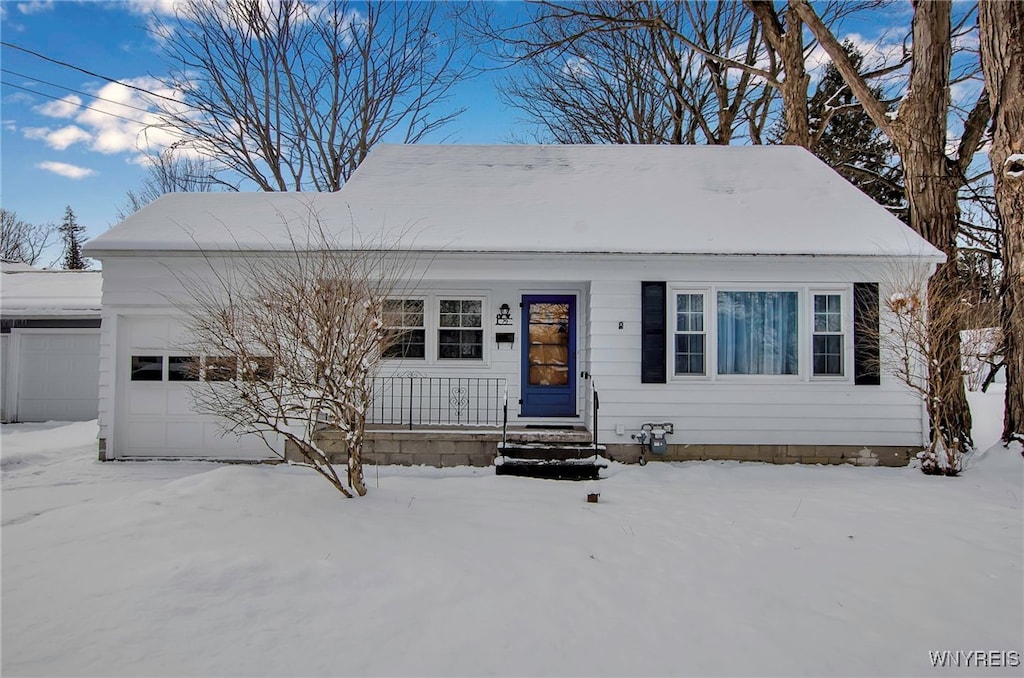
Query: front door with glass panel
[{"x": 549, "y": 356}]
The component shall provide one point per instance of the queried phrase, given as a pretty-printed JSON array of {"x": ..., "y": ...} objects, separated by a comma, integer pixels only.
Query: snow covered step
[
  {"x": 552, "y": 469},
  {"x": 548, "y": 450},
  {"x": 577, "y": 435}
]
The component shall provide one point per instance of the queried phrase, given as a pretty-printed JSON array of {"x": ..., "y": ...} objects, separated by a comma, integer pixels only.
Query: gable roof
[{"x": 524, "y": 198}]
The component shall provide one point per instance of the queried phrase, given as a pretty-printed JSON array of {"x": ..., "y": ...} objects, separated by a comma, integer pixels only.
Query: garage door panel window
[
  {"x": 220, "y": 368},
  {"x": 183, "y": 368},
  {"x": 260, "y": 368},
  {"x": 147, "y": 368}
]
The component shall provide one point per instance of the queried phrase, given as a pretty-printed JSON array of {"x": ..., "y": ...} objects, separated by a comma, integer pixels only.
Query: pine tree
[
  {"x": 72, "y": 234},
  {"x": 850, "y": 143}
]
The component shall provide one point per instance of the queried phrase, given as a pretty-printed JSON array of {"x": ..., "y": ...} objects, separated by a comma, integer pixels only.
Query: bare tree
[
  {"x": 287, "y": 343},
  {"x": 909, "y": 346},
  {"x": 741, "y": 55},
  {"x": 618, "y": 72},
  {"x": 22, "y": 241},
  {"x": 170, "y": 171},
  {"x": 1002, "y": 49},
  {"x": 933, "y": 177},
  {"x": 292, "y": 95}
]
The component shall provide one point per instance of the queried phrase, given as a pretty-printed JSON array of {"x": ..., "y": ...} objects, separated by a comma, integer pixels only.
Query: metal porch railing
[{"x": 413, "y": 400}]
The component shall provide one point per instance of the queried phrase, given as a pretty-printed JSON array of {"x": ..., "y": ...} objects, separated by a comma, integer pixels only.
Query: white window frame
[
  {"x": 801, "y": 332},
  {"x": 425, "y": 327},
  {"x": 805, "y": 331},
  {"x": 704, "y": 293},
  {"x": 846, "y": 325},
  {"x": 432, "y": 326},
  {"x": 460, "y": 297}
]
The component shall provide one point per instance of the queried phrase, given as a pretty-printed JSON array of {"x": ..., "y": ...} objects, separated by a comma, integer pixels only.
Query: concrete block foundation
[{"x": 446, "y": 448}]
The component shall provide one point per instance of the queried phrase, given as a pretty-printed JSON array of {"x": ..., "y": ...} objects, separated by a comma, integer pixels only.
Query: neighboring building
[
  {"x": 716, "y": 288},
  {"x": 49, "y": 343}
]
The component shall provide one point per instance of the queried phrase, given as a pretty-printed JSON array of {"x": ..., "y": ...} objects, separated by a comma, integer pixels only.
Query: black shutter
[
  {"x": 866, "y": 352},
  {"x": 652, "y": 333}
]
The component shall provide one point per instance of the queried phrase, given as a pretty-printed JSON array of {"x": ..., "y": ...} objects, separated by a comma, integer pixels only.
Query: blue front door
[{"x": 549, "y": 356}]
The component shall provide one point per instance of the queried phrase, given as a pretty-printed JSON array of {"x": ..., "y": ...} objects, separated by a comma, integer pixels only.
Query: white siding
[
  {"x": 734, "y": 410},
  {"x": 5, "y": 370},
  {"x": 747, "y": 410},
  {"x": 155, "y": 419}
]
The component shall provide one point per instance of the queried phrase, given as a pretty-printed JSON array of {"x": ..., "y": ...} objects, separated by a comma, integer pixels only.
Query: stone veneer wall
[{"x": 478, "y": 448}]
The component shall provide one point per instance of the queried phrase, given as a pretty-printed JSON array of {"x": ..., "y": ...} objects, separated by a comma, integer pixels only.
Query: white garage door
[
  {"x": 156, "y": 412},
  {"x": 58, "y": 376}
]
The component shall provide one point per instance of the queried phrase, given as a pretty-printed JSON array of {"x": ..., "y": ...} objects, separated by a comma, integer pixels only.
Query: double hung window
[
  {"x": 690, "y": 334},
  {"x": 827, "y": 335},
  {"x": 407, "y": 335},
  {"x": 447, "y": 328},
  {"x": 758, "y": 332},
  {"x": 460, "y": 333}
]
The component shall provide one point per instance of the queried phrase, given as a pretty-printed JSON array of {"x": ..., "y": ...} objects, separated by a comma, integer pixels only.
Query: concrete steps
[{"x": 556, "y": 457}]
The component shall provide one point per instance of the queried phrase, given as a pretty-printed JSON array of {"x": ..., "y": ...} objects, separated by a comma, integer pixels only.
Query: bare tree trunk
[
  {"x": 932, "y": 181},
  {"x": 787, "y": 41},
  {"x": 1002, "y": 54}
]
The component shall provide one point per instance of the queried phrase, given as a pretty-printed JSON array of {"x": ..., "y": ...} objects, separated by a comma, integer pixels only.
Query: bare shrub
[
  {"x": 912, "y": 352},
  {"x": 292, "y": 340}
]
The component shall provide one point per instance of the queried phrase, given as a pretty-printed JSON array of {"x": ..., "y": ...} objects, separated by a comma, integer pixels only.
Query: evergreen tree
[
  {"x": 72, "y": 234},
  {"x": 850, "y": 142}
]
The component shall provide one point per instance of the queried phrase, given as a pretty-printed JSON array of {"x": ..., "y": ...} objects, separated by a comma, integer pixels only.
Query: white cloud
[
  {"x": 121, "y": 119},
  {"x": 62, "y": 108},
  {"x": 161, "y": 7},
  {"x": 116, "y": 124},
  {"x": 66, "y": 170},
  {"x": 10, "y": 125},
  {"x": 20, "y": 98},
  {"x": 161, "y": 31},
  {"x": 35, "y": 6},
  {"x": 577, "y": 68},
  {"x": 58, "y": 139}
]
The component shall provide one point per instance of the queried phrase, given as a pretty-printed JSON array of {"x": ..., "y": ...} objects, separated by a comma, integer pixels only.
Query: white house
[
  {"x": 49, "y": 344},
  {"x": 714, "y": 288}
]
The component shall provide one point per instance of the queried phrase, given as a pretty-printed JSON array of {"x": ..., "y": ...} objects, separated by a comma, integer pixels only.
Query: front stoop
[
  {"x": 551, "y": 469},
  {"x": 554, "y": 460}
]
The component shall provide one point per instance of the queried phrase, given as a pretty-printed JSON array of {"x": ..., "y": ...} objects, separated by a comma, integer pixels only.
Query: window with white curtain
[{"x": 758, "y": 332}]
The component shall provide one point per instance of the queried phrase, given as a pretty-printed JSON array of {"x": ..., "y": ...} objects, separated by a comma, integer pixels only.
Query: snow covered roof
[
  {"x": 524, "y": 198},
  {"x": 12, "y": 266},
  {"x": 50, "y": 293}
]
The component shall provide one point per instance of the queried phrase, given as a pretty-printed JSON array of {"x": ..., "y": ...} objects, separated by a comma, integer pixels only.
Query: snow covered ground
[{"x": 196, "y": 569}]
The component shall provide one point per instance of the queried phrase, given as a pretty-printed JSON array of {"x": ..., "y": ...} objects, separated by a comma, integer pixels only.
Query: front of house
[{"x": 717, "y": 289}]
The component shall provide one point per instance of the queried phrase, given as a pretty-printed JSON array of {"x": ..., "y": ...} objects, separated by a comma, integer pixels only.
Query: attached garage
[
  {"x": 156, "y": 415},
  {"x": 50, "y": 329}
]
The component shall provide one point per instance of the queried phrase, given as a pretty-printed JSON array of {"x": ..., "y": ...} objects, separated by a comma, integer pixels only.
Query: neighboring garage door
[{"x": 58, "y": 376}]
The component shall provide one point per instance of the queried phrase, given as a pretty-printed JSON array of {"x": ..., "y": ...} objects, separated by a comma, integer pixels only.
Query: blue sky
[
  {"x": 56, "y": 153},
  {"x": 61, "y": 145}
]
